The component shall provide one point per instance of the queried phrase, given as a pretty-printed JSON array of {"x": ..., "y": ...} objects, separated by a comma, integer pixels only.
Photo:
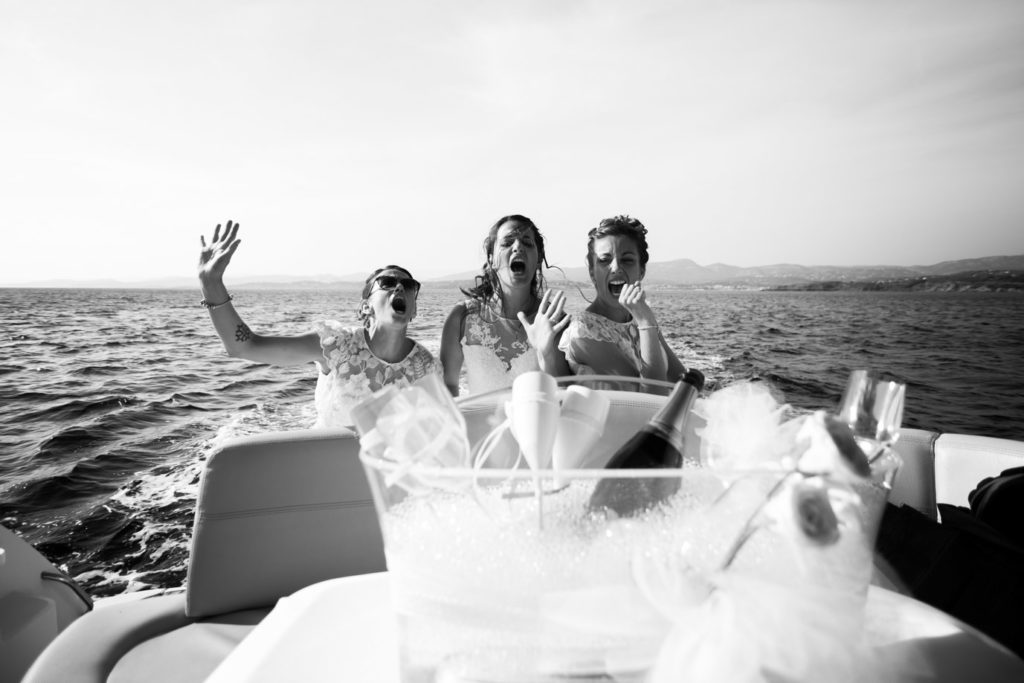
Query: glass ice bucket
[{"x": 510, "y": 574}]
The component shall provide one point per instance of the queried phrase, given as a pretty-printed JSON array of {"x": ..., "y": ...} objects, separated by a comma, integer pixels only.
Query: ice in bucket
[{"x": 759, "y": 563}]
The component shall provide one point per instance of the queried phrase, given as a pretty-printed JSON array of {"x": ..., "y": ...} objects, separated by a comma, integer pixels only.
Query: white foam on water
[{"x": 164, "y": 543}]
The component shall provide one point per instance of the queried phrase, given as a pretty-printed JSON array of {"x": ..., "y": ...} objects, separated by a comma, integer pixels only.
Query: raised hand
[
  {"x": 215, "y": 257},
  {"x": 548, "y": 323},
  {"x": 652, "y": 351},
  {"x": 633, "y": 299}
]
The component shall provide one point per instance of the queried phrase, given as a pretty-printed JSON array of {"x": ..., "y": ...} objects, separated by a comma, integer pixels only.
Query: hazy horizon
[
  {"x": 358, "y": 278},
  {"x": 346, "y": 135}
]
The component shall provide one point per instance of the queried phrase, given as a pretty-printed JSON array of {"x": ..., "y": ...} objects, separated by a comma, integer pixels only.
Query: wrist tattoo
[{"x": 243, "y": 333}]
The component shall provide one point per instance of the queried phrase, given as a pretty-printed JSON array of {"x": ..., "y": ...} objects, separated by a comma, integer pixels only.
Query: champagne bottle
[{"x": 658, "y": 445}]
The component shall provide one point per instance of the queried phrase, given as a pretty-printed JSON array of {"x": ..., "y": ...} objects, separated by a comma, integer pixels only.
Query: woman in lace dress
[
  {"x": 618, "y": 333},
  {"x": 510, "y": 324},
  {"x": 354, "y": 361}
]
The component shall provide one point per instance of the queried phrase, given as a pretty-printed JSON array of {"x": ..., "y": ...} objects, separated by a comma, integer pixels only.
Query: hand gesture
[
  {"x": 634, "y": 300},
  {"x": 214, "y": 259},
  {"x": 548, "y": 323}
]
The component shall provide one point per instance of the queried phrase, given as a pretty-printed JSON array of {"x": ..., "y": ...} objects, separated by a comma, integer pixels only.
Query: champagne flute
[{"x": 873, "y": 408}]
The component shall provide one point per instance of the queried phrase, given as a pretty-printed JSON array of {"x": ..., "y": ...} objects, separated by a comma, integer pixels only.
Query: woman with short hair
[{"x": 618, "y": 332}]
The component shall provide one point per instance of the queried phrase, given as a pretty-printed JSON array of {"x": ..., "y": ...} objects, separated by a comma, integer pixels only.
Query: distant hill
[
  {"x": 680, "y": 272},
  {"x": 687, "y": 272}
]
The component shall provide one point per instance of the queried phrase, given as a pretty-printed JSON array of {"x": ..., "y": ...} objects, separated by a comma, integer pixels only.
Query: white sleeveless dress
[
  {"x": 495, "y": 350},
  {"x": 354, "y": 373},
  {"x": 595, "y": 345}
]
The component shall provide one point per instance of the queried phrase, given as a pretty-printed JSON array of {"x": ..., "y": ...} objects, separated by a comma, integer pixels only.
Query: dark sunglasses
[{"x": 389, "y": 282}]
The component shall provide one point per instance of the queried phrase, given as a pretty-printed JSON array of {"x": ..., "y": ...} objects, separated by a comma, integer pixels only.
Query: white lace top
[
  {"x": 595, "y": 345},
  {"x": 354, "y": 372},
  {"x": 495, "y": 349}
]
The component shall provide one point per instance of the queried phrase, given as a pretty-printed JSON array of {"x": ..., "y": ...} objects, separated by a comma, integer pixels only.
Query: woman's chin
[
  {"x": 394, "y": 319},
  {"x": 513, "y": 282},
  {"x": 607, "y": 304}
]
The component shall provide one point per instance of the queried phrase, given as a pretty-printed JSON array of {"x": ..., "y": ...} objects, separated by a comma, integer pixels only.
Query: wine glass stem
[{"x": 880, "y": 450}]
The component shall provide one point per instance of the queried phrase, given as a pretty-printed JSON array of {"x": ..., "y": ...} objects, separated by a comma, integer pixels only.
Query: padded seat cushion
[
  {"x": 90, "y": 647},
  {"x": 915, "y": 480},
  {"x": 187, "y": 654},
  {"x": 962, "y": 461},
  {"x": 278, "y": 512}
]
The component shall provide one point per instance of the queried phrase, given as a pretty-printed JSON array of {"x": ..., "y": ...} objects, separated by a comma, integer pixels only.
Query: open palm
[
  {"x": 215, "y": 256},
  {"x": 549, "y": 322}
]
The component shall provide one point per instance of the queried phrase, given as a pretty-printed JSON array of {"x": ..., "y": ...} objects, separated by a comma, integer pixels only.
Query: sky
[{"x": 344, "y": 135}]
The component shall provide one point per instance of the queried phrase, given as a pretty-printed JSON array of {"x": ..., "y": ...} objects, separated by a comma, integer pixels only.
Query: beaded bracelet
[{"x": 206, "y": 304}]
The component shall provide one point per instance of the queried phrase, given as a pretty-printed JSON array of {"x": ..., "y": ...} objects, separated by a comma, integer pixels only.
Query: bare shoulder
[
  {"x": 454, "y": 324},
  {"x": 459, "y": 310},
  {"x": 312, "y": 337},
  {"x": 312, "y": 344}
]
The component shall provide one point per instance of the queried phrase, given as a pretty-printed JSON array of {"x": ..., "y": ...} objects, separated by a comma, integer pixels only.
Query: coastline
[{"x": 975, "y": 281}]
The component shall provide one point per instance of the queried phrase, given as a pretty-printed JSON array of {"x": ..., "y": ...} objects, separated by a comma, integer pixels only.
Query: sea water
[
  {"x": 112, "y": 399},
  {"x": 498, "y": 583}
]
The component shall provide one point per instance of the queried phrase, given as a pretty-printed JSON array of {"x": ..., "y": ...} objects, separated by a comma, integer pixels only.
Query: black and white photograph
[{"x": 514, "y": 341}]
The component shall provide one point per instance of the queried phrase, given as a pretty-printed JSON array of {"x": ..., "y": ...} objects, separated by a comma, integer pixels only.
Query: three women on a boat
[{"x": 510, "y": 323}]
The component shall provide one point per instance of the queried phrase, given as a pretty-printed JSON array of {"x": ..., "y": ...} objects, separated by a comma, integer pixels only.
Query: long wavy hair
[
  {"x": 364, "y": 309},
  {"x": 486, "y": 284}
]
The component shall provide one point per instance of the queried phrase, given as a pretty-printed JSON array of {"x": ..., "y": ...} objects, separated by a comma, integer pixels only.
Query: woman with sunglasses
[
  {"x": 354, "y": 361},
  {"x": 510, "y": 323}
]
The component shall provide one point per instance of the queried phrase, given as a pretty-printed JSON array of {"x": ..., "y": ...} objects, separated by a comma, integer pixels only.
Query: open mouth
[
  {"x": 398, "y": 305},
  {"x": 517, "y": 267},
  {"x": 615, "y": 286}
]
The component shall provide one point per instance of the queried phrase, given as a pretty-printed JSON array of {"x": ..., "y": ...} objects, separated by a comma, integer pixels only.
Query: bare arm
[
  {"x": 652, "y": 354},
  {"x": 654, "y": 363},
  {"x": 451, "y": 348},
  {"x": 676, "y": 369},
  {"x": 240, "y": 341}
]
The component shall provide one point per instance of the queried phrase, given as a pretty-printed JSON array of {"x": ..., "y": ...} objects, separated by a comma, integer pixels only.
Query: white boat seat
[
  {"x": 945, "y": 468},
  {"x": 193, "y": 650},
  {"x": 275, "y": 513},
  {"x": 278, "y": 512},
  {"x": 962, "y": 461},
  {"x": 915, "y": 481}
]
